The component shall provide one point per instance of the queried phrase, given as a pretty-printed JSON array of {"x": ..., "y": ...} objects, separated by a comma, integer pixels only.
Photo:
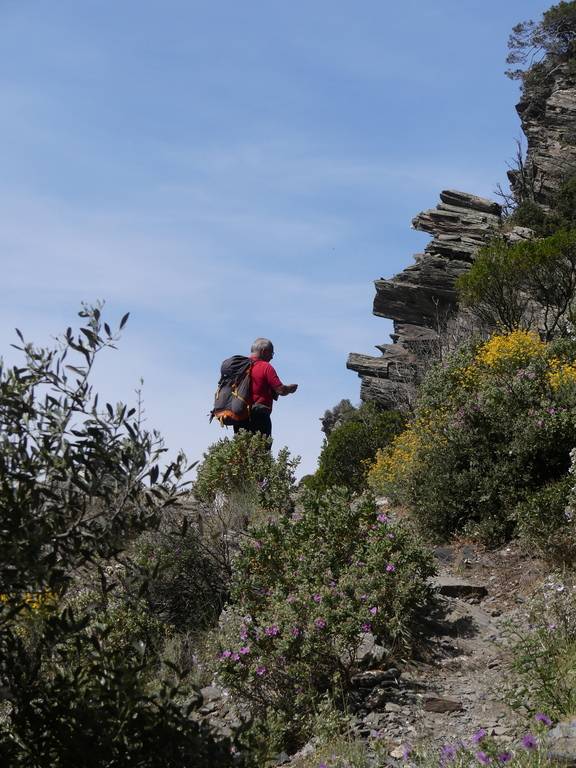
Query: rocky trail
[{"x": 458, "y": 685}]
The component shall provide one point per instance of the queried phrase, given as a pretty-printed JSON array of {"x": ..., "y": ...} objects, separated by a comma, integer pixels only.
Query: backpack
[{"x": 233, "y": 399}]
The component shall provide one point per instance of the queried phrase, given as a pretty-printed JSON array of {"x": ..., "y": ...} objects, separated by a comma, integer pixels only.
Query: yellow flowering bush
[
  {"x": 561, "y": 374},
  {"x": 493, "y": 427},
  {"x": 509, "y": 351},
  {"x": 394, "y": 464}
]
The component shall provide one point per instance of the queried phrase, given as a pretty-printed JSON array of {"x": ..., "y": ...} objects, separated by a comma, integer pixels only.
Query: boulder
[{"x": 561, "y": 743}]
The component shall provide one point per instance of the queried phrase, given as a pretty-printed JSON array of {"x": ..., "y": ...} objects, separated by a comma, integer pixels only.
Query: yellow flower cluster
[
  {"x": 396, "y": 462},
  {"x": 501, "y": 354},
  {"x": 561, "y": 374},
  {"x": 34, "y": 600},
  {"x": 510, "y": 350}
]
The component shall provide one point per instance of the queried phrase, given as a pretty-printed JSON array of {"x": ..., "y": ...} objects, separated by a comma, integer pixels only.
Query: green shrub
[
  {"x": 530, "y": 214},
  {"x": 492, "y": 428},
  {"x": 244, "y": 465},
  {"x": 189, "y": 575},
  {"x": 351, "y": 446},
  {"x": 542, "y": 522},
  {"x": 528, "y": 285},
  {"x": 78, "y": 482},
  {"x": 544, "y": 654},
  {"x": 306, "y": 589},
  {"x": 93, "y": 706}
]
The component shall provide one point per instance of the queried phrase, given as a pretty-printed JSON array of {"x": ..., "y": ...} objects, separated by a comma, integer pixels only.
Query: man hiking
[{"x": 266, "y": 387}]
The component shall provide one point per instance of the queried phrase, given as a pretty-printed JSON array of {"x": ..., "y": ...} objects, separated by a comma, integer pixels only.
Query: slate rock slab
[
  {"x": 452, "y": 586},
  {"x": 561, "y": 743},
  {"x": 440, "y": 705}
]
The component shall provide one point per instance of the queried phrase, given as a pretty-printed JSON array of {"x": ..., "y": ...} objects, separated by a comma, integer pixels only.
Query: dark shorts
[{"x": 259, "y": 421}]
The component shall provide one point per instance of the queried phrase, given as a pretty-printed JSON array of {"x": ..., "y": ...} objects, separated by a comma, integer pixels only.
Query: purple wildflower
[
  {"x": 406, "y": 752},
  {"x": 504, "y": 757},
  {"x": 366, "y": 627},
  {"x": 235, "y": 657},
  {"x": 390, "y": 568},
  {"x": 261, "y": 671},
  {"x": 448, "y": 753},
  {"x": 243, "y": 634},
  {"x": 479, "y": 735},
  {"x": 317, "y": 598},
  {"x": 390, "y": 535},
  {"x": 257, "y": 544},
  {"x": 296, "y": 631},
  {"x": 363, "y": 597},
  {"x": 225, "y": 654},
  {"x": 244, "y": 650},
  {"x": 320, "y": 623},
  {"x": 540, "y": 717},
  {"x": 272, "y": 631},
  {"x": 382, "y": 518},
  {"x": 482, "y": 757},
  {"x": 529, "y": 741},
  {"x": 374, "y": 610}
]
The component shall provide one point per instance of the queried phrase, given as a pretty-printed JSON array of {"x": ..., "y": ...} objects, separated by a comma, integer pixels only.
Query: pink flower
[
  {"x": 319, "y": 623},
  {"x": 243, "y": 634},
  {"x": 296, "y": 631},
  {"x": 235, "y": 657},
  {"x": 317, "y": 598},
  {"x": 390, "y": 568},
  {"x": 261, "y": 671},
  {"x": 366, "y": 627},
  {"x": 374, "y": 610},
  {"x": 225, "y": 654},
  {"x": 244, "y": 650},
  {"x": 382, "y": 518},
  {"x": 272, "y": 631}
]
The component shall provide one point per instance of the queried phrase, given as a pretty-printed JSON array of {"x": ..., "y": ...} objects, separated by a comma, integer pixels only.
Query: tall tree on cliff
[{"x": 554, "y": 37}]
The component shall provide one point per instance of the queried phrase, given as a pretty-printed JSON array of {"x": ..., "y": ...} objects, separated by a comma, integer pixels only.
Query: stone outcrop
[
  {"x": 547, "y": 111},
  {"x": 421, "y": 297}
]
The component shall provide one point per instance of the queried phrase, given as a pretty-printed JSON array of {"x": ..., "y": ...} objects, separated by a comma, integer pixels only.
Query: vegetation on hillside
[{"x": 81, "y": 671}]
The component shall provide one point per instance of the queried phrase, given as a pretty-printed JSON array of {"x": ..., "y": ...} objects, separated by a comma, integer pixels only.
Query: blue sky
[{"x": 231, "y": 170}]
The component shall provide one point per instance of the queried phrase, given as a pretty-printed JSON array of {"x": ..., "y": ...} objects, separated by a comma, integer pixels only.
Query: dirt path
[{"x": 460, "y": 686}]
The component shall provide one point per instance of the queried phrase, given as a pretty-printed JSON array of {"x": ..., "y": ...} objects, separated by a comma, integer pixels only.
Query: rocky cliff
[
  {"x": 547, "y": 111},
  {"x": 421, "y": 298}
]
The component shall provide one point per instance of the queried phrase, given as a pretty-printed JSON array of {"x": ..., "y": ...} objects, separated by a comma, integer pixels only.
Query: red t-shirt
[{"x": 264, "y": 382}]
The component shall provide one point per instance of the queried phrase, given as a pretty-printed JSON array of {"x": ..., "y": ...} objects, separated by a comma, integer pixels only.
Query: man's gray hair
[{"x": 260, "y": 345}]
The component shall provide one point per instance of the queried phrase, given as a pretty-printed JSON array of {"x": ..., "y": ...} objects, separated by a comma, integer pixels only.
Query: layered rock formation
[
  {"x": 421, "y": 298},
  {"x": 547, "y": 111}
]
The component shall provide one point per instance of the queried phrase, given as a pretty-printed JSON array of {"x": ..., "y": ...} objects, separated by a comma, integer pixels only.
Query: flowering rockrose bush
[
  {"x": 308, "y": 586},
  {"x": 491, "y": 440}
]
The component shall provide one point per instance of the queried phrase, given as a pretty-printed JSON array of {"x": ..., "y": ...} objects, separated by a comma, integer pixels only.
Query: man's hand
[{"x": 287, "y": 389}]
